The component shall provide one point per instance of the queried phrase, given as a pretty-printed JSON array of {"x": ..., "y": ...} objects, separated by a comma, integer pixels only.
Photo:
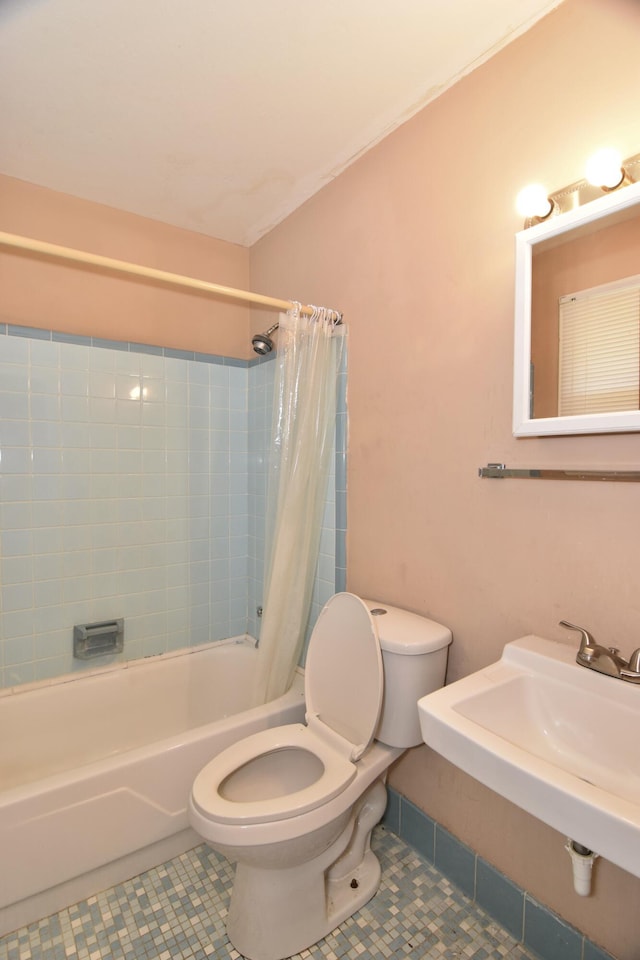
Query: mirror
[{"x": 577, "y": 292}]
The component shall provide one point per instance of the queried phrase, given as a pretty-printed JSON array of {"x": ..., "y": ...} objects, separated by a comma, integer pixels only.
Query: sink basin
[{"x": 560, "y": 741}]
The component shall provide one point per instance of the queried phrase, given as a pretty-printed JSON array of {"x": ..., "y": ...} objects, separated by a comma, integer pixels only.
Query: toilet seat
[
  {"x": 334, "y": 773},
  {"x": 246, "y": 783}
]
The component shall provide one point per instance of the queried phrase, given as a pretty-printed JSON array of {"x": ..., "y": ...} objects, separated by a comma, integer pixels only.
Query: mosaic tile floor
[{"x": 176, "y": 912}]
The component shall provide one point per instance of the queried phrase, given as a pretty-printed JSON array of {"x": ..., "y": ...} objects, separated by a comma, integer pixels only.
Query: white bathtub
[{"x": 95, "y": 770}]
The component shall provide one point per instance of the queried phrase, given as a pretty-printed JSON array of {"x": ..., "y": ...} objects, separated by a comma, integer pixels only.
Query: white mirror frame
[{"x": 523, "y": 424}]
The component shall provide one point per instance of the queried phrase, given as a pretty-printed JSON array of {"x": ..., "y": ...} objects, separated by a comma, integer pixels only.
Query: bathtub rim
[
  {"x": 83, "y": 673},
  {"x": 76, "y": 774}
]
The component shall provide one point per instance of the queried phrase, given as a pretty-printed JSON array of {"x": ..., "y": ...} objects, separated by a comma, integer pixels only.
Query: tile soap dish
[{"x": 98, "y": 639}]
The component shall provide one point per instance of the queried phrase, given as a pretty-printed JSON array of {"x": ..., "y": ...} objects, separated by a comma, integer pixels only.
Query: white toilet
[{"x": 294, "y": 806}]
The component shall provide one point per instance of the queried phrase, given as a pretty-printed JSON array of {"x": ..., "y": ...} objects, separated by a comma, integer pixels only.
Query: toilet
[{"x": 294, "y": 806}]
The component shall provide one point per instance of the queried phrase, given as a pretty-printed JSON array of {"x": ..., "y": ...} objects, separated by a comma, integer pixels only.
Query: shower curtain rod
[{"x": 122, "y": 266}]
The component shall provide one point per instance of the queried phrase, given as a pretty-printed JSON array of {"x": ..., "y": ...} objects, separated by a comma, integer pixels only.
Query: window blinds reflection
[{"x": 599, "y": 349}]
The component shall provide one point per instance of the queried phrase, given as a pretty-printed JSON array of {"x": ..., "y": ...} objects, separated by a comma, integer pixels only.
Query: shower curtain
[{"x": 304, "y": 415}]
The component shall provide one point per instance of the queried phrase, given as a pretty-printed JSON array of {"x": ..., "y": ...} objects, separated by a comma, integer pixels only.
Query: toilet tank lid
[{"x": 410, "y": 634}]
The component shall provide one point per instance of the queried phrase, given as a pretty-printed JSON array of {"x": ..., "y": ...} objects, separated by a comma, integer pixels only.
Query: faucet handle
[
  {"x": 587, "y": 641},
  {"x": 634, "y": 661}
]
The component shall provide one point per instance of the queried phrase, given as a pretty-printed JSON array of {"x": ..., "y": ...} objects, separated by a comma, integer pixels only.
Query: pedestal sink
[{"x": 557, "y": 739}]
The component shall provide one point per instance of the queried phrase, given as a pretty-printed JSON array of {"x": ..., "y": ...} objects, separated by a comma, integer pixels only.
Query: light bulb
[
  {"x": 604, "y": 169},
  {"x": 533, "y": 201}
]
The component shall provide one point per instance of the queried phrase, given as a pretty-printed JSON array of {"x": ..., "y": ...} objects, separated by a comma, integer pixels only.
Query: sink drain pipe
[{"x": 582, "y": 862}]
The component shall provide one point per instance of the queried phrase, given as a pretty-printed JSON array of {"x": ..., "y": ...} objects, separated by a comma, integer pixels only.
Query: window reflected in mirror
[
  {"x": 599, "y": 349},
  {"x": 585, "y": 319}
]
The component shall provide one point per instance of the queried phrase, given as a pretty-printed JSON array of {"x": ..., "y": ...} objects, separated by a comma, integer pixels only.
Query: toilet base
[
  {"x": 275, "y": 913},
  {"x": 345, "y": 898}
]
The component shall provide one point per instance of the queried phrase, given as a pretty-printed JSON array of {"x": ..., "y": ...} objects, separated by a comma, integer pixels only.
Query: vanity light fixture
[
  {"x": 533, "y": 201},
  {"x": 605, "y": 172}
]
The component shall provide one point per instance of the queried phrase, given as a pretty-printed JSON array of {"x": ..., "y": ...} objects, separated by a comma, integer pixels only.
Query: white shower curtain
[{"x": 303, "y": 427}]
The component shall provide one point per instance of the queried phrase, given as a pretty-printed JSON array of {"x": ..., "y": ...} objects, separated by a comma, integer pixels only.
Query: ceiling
[{"x": 223, "y": 116}]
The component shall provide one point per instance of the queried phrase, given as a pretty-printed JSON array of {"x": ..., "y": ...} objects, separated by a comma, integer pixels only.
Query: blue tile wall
[
  {"x": 455, "y": 860},
  {"x": 500, "y": 897},
  {"x": 391, "y": 818},
  {"x": 533, "y": 924},
  {"x": 591, "y": 952},
  {"x": 548, "y": 935},
  {"x": 417, "y": 829},
  {"x": 132, "y": 484}
]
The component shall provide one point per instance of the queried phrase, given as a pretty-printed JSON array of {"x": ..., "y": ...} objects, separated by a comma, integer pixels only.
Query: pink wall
[
  {"x": 38, "y": 292},
  {"x": 415, "y": 243}
]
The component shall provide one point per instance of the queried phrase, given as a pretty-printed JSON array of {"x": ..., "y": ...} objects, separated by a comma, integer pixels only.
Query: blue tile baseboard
[{"x": 528, "y": 921}]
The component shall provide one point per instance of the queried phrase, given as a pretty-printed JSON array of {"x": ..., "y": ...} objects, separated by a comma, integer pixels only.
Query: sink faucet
[{"x": 605, "y": 660}]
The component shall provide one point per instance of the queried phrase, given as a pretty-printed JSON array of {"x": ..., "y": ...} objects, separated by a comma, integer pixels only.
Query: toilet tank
[{"x": 414, "y": 659}]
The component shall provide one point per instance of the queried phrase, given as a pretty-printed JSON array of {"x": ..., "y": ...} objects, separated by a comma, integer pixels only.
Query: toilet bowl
[{"x": 294, "y": 806}]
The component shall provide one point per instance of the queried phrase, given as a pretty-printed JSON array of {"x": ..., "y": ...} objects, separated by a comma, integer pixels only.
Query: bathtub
[{"x": 96, "y": 769}]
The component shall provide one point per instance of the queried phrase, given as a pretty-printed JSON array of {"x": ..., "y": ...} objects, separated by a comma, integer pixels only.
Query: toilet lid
[{"x": 343, "y": 671}]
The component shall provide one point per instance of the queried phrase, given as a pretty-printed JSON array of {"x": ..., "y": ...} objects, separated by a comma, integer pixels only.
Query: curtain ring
[{"x": 323, "y": 314}]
